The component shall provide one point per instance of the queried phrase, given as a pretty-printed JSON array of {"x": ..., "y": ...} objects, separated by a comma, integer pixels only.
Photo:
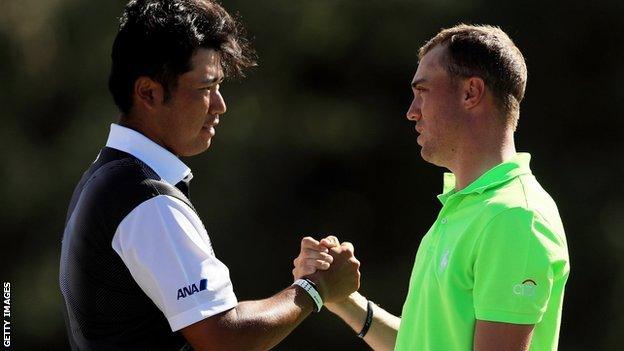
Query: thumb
[{"x": 330, "y": 241}]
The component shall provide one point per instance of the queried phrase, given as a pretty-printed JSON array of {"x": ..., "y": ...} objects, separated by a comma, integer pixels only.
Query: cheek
[
  {"x": 441, "y": 117},
  {"x": 432, "y": 104},
  {"x": 195, "y": 109},
  {"x": 199, "y": 106},
  {"x": 204, "y": 99}
]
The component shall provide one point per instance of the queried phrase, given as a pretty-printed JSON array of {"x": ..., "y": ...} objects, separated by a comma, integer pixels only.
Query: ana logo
[
  {"x": 526, "y": 288},
  {"x": 191, "y": 289}
]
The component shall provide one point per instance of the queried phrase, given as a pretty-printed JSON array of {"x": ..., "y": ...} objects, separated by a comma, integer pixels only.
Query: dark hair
[
  {"x": 486, "y": 52},
  {"x": 157, "y": 39}
]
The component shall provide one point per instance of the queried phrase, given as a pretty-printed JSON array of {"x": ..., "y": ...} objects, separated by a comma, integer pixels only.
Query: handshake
[
  {"x": 332, "y": 267},
  {"x": 335, "y": 271}
]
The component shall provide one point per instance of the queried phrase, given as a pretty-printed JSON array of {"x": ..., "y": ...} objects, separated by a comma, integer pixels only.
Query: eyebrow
[
  {"x": 418, "y": 81},
  {"x": 213, "y": 80}
]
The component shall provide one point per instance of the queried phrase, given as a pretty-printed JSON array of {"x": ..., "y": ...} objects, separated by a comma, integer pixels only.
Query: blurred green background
[{"x": 315, "y": 141}]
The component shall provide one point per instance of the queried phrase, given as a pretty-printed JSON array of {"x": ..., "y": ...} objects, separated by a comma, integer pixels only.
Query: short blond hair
[{"x": 486, "y": 52}]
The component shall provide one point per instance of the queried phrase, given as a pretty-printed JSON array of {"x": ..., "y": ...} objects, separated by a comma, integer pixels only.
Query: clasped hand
[{"x": 331, "y": 265}]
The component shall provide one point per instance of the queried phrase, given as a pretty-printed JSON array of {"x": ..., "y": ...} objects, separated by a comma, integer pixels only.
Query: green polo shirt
[{"x": 497, "y": 252}]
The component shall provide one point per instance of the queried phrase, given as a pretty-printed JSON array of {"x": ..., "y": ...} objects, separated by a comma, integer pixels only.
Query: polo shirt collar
[
  {"x": 167, "y": 165},
  {"x": 501, "y": 173}
]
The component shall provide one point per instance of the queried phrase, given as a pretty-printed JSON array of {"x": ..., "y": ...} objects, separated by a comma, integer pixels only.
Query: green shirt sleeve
[{"x": 513, "y": 270}]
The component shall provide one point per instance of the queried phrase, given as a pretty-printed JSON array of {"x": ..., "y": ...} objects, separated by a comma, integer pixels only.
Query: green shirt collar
[{"x": 502, "y": 173}]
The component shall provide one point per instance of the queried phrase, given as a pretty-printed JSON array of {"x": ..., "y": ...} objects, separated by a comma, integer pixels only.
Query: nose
[
  {"x": 413, "y": 113},
  {"x": 217, "y": 104}
]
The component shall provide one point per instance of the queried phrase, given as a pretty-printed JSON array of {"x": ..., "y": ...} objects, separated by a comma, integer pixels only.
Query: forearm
[
  {"x": 490, "y": 336},
  {"x": 384, "y": 327},
  {"x": 262, "y": 324}
]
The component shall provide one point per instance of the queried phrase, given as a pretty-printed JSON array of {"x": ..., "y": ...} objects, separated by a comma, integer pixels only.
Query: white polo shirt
[{"x": 165, "y": 246}]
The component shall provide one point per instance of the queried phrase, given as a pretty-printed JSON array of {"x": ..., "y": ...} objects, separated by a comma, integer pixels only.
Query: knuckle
[{"x": 313, "y": 253}]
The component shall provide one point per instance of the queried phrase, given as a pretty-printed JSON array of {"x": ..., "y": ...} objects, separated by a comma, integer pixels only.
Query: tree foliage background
[{"x": 315, "y": 141}]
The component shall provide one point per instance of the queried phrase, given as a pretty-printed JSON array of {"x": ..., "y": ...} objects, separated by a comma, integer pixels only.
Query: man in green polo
[{"x": 490, "y": 272}]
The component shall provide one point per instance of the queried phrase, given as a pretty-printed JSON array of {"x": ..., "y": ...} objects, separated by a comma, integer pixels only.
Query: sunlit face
[
  {"x": 436, "y": 110},
  {"x": 189, "y": 118}
]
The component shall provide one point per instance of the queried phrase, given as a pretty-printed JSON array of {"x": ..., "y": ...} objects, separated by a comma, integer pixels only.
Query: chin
[
  {"x": 195, "y": 150},
  {"x": 427, "y": 156},
  {"x": 206, "y": 145}
]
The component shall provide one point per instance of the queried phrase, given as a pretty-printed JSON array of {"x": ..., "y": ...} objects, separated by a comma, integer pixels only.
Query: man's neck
[
  {"x": 478, "y": 158},
  {"x": 137, "y": 124}
]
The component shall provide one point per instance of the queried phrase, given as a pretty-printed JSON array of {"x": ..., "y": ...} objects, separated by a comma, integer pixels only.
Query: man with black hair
[
  {"x": 137, "y": 269},
  {"x": 490, "y": 273}
]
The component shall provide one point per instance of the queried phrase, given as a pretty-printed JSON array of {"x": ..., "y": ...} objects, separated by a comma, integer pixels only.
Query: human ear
[
  {"x": 148, "y": 93},
  {"x": 474, "y": 90}
]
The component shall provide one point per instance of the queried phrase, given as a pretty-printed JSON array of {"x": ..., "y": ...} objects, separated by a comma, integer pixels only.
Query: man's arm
[
  {"x": 176, "y": 257},
  {"x": 517, "y": 263},
  {"x": 384, "y": 327},
  {"x": 495, "y": 336},
  {"x": 252, "y": 325},
  {"x": 262, "y": 324}
]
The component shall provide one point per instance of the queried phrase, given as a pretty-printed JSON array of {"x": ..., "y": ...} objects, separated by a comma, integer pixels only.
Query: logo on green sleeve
[{"x": 526, "y": 288}]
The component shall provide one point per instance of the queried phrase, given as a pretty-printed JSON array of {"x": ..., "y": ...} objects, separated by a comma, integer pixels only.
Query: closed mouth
[{"x": 211, "y": 124}]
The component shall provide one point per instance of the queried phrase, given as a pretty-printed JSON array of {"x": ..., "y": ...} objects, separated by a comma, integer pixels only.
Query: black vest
[{"x": 105, "y": 308}]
